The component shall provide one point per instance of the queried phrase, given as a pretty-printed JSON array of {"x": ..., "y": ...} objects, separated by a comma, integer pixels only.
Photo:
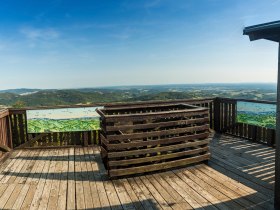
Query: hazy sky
[{"x": 88, "y": 43}]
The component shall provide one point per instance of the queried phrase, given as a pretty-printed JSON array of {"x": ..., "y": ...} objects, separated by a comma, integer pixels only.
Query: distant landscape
[{"x": 51, "y": 97}]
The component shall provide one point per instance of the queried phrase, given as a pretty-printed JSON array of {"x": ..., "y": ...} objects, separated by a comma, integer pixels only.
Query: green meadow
[
  {"x": 263, "y": 120},
  {"x": 62, "y": 125}
]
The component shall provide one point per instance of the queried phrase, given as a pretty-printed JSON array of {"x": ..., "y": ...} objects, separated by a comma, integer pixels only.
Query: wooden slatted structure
[
  {"x": 5, "y": 134},
  {"x": 139, "y": 139}
]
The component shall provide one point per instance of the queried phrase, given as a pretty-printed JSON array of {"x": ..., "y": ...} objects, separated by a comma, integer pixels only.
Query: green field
[
  {"x": 263, "y": 120},
  {"x": 67, "y": 125}
]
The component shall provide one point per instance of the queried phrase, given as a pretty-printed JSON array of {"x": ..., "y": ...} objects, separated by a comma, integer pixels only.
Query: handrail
[
  {"x": 248, "y": 100},
  {"x": 4, "y": 113},
  {"x": 114, "y": 104},
  {"x": 225, "y": 115}
]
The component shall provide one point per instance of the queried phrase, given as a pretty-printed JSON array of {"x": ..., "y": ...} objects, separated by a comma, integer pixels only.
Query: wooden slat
[
  {"x": 158, "y": 149},
  {"x": 166, "y": 141},
  {"x": 160, "y": 166},
  {"x": 157, "y": 133}
]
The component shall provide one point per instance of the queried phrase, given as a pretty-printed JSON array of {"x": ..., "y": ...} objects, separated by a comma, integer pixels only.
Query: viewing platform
[
  {"x": 240, "y": 175},
  {"x": 65, "y": 170}
]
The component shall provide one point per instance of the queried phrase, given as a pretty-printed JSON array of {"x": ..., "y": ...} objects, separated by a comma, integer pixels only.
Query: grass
[
  {"x": 69, "y": 125},
  {"x": 263, "y": 120}
]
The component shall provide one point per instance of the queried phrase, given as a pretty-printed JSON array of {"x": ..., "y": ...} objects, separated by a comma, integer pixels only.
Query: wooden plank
[
  {"x": 52, "y": 202},
  {"x": 241, "y": 177},
  {"x": 91, "y": 174},
  {"x": 173, "y": 114},
  {"x": 155, "y": 203},
  {"x": 211, "y": 194},
  {"x": 221, "y": 180},
  {"x": 158, "y": 149},
  {"x": 12, "y": 170},
  {"x": 29, "y": 167},
  {"x": 80, "y": 198},
  {"x": 164, "y": 141},
  {"x": 29, "y": 197},
  {"x": 20, "y": 171},
  {"x": 62, "y": 195},
  {"x": 103, "y": 197},
  {"x": 86, "y": 180},
  {"x": 134, "y": 198},
  {"x": 41, "y": 184},
  {"x": 157, "y": 158},
  {"x": 71, "y": 200},
  {"x": 20, "y": 198},
  {"x": 147, "y": 203},
  {"x": 232, "y": 198},
  {"x": 155, "y": 187},
  {"x": 21, "y": 129},
  {"x": 159, "y": 166},
  {"x": 37, "y": 168},
  {"x": 157, "y": 124},
  {"x": 172, "y": 192},
  {"x": 188, "y": 193},
  {"x": 158, "y": 133},
  {"x": 5, "y": 196},
  {"x": 31, "y": 141},
  {"x": 13, "y": 197},
  {"x": 123, "y": 195}
]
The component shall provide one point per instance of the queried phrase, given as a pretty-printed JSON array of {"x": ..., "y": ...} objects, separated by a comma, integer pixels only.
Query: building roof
[{"x": 269, "y": 31}]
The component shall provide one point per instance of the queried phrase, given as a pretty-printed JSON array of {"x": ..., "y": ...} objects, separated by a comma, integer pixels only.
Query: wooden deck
[{"x": 240, "y": 175}]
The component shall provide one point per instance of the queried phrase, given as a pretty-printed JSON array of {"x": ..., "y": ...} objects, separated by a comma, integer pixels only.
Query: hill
[{"x": 39, "y": 97}]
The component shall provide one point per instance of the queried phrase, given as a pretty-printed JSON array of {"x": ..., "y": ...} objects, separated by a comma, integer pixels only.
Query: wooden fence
[
  {"x": 20, "y": 136},
  {"x": 18, "y": 121},
  {"x": 5, "y": 134},
  {"x": 222, "y": 116},
  {"x": 225, "y": 122}
]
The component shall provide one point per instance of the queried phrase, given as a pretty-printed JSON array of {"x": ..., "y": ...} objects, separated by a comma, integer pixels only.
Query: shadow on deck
[{"x": 240, "y": 175}]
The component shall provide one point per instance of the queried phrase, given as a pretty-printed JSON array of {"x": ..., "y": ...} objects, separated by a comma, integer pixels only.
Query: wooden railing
[
  {"x": 222, "y": 114},
  {"x": 5, "y": 134},
  {"x": 20, "y": 136},
  {"x": 19, "y": 124},
  {"x": 225, "y": 122}
]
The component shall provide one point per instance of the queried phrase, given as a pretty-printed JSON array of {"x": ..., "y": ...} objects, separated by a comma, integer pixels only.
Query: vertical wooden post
[
  {"x": 85, "y": 138},
  {"x": 217, "y": 115},
  {"x": 9, "y": 132},
  {"x": 277, "y": 153}
]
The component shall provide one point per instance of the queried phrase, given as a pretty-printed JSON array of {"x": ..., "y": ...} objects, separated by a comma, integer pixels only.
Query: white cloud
[{"x": 39, "y": 33}]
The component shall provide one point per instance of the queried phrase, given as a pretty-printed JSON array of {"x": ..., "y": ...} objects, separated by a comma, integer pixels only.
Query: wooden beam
[
  {"x": 5, "y": 148},
  {"x": 29, "y": 142},
  {"x": 277, "y": 153}
]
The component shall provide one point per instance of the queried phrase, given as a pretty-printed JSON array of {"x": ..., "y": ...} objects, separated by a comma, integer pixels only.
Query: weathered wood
[
  {"x": 159, "y": 166},
  {"x": 157, "y": 149},
  {"x": 31, "y": 141},
  {"x": 158, "y": 133},
  {"x": 155, "y": 125},
  {"x": 152, "y": 136},
  {"x": 157, "y": 158},
  {"x": 165, "y": 141},
  {"x": 217, "y": 114},
  {"x": 5, "y": 148}
]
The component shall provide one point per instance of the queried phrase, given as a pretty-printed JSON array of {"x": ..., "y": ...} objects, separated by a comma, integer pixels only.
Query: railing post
[
  {"x": 217, "y": 115},
  {"x": 9, "y": 132}
]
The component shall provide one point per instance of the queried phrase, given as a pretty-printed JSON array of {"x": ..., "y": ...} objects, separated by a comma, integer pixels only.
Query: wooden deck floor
[{"x": 239, "y": 176}]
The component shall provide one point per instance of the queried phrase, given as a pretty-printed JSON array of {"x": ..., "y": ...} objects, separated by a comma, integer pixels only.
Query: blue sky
[{"x": 89, "y": 43}]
